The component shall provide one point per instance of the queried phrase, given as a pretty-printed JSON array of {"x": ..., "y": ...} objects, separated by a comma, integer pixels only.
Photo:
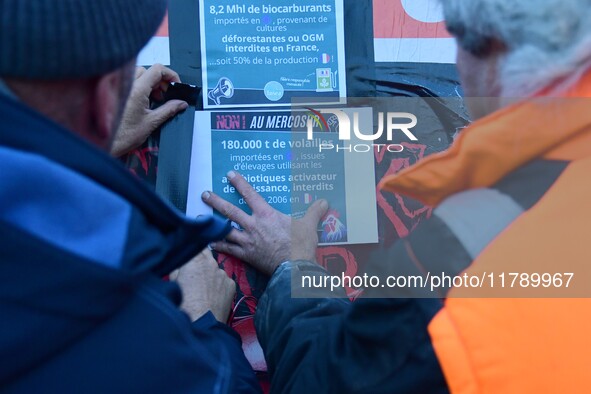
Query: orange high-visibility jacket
[{"x": 519, "y": 339}]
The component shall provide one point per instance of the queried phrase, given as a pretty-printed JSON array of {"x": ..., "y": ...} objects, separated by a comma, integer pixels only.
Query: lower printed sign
[{"x": 289, "y": 167}]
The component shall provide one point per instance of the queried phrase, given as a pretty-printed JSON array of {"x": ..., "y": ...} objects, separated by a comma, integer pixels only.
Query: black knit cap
[{"x": 66, "y": 39}]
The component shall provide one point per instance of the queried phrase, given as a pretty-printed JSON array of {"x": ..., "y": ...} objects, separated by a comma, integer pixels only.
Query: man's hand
[
  {"x": 205, "y": 288},
  {"x": 139, "y": 121},
  {"x": 269, "y": 237}
]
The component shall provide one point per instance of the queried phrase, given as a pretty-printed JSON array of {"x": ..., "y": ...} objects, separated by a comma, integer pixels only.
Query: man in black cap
[{"x": 83, "y": 244}]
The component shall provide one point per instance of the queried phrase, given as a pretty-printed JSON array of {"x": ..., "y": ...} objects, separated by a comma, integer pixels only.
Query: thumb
[
  {"x": 165, "y": 112},
  {"x": 316, "y": 212}
]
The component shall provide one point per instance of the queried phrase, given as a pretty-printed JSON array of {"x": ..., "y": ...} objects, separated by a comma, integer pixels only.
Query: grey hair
[{"x": 548, "y": 42}]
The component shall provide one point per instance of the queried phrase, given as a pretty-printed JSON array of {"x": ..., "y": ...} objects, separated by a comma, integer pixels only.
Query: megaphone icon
[{"x": 224, "y": 88}]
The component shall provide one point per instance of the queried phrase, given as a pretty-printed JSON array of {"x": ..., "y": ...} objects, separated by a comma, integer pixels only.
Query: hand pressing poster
[
  {"x": 289, "y": 166},
  {"x": 265, "y": 53}
]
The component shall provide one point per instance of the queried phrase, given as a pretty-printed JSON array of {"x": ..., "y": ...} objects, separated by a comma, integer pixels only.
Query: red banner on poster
[
  {"x": 408, "y": 19},
  {"x": 158, "y": 49},
  {"x": 163, "y": 30},
  {"x": 411, "y": 31}
]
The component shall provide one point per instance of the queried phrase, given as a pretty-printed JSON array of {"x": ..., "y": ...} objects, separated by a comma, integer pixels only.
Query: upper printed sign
[{"x": 257, "y": 53}]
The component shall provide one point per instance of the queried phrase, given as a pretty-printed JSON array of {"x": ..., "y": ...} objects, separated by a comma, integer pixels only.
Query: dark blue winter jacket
[{"x": 83, "y": 247}]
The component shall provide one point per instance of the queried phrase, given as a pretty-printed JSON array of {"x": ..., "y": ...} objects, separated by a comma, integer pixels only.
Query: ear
[{"x": 106, "y": 107}]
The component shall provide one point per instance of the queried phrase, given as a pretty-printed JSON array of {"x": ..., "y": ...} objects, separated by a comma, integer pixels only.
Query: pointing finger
[
  {"x": 227, "y": 209},
  {"x": 252, "y": 198}
]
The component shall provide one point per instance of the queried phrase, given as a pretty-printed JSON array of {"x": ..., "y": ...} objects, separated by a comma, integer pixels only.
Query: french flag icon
[
  {"x": 325, "y": 58},
  {"x": 308, "y": 199}
]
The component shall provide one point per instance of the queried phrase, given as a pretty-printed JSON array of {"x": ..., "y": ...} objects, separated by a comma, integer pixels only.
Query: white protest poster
[{"x": 289, "y": 166}]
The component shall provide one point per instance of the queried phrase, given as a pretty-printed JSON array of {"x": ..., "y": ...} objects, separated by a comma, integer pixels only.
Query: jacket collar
[{"x": 557, "y": 128}]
